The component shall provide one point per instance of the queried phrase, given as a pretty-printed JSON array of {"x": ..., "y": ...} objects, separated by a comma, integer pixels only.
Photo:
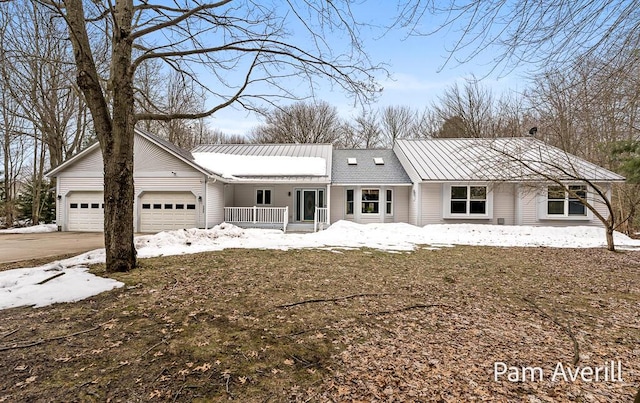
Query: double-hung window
[
  {"x": 468, "y": 200},
  {"x": 350, "y": 202},
  {"x": 389, "y": 202},
  {"x": 370, "y": 201},
  {"x": 561, "y": 203},
  {"x": 263, "y": 197}
]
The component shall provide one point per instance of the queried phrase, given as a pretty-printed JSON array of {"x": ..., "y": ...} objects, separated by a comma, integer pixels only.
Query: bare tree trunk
[
  {"x": 35, "y": 202},
  {"x": 610, "y": 226},
  {"x": 117, "y": 151},
  {"x": 115, "y": 134},
  {"x": 8, "y": 178},
  {"x": 610, "y": 245}
]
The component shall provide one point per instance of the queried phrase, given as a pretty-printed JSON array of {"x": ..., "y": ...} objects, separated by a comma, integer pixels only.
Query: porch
[{"x": 275, "y": 217}]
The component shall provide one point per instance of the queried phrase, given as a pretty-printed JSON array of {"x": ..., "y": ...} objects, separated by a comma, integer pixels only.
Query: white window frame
[
  {"x": 264, "y": 190},
  {"x": 388, "y": 202},
  {"x": 353, "y": 202},
  {"x": 543, "y": 204},
  {"x": 362, "y": 201},
  {"x": 446, "y": 202}
]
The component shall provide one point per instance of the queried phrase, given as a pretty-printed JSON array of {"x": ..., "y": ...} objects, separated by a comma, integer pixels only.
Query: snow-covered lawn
[
  {"x": 31, "y": 230},
  {"x": 19, "y": 287}
]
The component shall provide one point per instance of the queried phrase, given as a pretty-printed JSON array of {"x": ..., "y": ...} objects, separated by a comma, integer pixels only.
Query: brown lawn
[{"x": 376, "y": 326}]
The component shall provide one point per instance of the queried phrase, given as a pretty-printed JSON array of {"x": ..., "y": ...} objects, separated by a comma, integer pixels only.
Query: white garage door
[
  {"x": 167, "y": 211},
  {"x": 85, "y": 212}
]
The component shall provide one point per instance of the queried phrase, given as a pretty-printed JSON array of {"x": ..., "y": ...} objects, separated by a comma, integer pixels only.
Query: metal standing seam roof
[
  {"x": 277, "y": 150},
  {"x": 469, "y": 159},
  {"x": 366, "y": 171}
]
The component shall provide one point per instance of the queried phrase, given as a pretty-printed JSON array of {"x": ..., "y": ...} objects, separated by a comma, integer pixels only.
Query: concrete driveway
[{"x": 16, "y": 247}]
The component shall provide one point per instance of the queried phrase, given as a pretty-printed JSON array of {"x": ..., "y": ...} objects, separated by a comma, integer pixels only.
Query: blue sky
[{"x": 416, "y": 64}]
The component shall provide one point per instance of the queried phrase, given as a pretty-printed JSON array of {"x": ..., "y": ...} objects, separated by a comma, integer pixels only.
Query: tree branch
[
  {"x": 566, "y": 328},
  {"x": 318, "y": 300}
]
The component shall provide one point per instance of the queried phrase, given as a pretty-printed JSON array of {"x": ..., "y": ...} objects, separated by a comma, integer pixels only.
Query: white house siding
[
  {"x": 414, "y": 202},
  {"x": 149, "y": 157},
  {"x": 90, "y": 165},
  {"x": 430, "y": 204},
  {"x": 431, "y": 207},
  {"x": 534, "y": 200},
  {"x": 504, "y": 203},
  {"x": 229, "y": 195},
  {"x": 529, "y": 205},
  {"x": 215, "y": 203},
  {"x": 401, "y": 196},
  {"x": 338, "y": 203}
]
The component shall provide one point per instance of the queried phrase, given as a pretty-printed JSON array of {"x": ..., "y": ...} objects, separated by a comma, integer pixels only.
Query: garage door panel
[
  {"x": 167, "y": 211},
  {"x": 85, "y": 212}
]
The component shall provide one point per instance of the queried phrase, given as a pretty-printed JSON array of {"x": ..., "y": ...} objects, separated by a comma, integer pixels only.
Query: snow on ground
[
  {"x": 19, "y": 287},
  {"x": 31, "y": 230}
]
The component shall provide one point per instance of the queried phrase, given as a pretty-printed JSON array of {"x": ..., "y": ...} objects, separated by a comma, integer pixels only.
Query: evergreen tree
[{"x": 46, "y": 210}]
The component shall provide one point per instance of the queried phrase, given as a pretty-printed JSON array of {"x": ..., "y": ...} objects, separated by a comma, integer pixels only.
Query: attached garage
[
  {"x": 85, "y": 211},
  {"x": 160, "y": 211}
]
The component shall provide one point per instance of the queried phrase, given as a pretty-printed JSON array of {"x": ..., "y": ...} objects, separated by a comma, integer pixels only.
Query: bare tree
[
  {"x": 538, "y": 34},
  {"x": 212, "y": 40},
  {"x": 425, "y": 124},
  {"x": 364, "y": 131},
  {"x": 40, "y": 77},
  {"x": 204, "y": 135},
  {"x": 572, "y": 181},
  {"x": 301, "y": 122},
  {"x": 396, "y": 123},
  {"x": 468, "y": 109}
]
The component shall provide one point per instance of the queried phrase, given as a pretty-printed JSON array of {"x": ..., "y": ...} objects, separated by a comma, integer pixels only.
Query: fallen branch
[
  {"x": 406, "y": 308},
  {"x": 32, "y": 343},
  {"x": 566, "y": 328},
  {"x": 163, "y": 341},
  {"x": 317, "y": 300},
  {"x": 9, "y": 333},
  {"x": 50, "y": 278}
]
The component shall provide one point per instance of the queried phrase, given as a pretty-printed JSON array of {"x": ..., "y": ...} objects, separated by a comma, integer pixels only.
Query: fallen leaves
[{"x": 414, "y": 327}]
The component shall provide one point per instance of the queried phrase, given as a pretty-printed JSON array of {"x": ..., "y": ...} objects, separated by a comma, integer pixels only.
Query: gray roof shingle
[{"x": 366, "y": 171}]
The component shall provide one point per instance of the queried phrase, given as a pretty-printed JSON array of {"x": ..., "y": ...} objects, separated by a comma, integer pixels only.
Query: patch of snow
[
  {"x": 19, "y": 287},
  {"x": 231, "y": 165},
  {"x": 31, "y": 230}
]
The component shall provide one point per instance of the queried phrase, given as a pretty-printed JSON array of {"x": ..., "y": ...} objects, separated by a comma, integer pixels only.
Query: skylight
[
  {"x": 352, "y": 161},
  {"x": 378, "y": 160}
]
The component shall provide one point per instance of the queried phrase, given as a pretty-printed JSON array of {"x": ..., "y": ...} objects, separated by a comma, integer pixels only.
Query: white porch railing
[
  {"x": 257, "y": 215},
  {"x": 320, "y": 218}
]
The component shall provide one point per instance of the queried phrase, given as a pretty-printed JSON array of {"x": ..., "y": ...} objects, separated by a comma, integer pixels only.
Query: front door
[{"x": 308, "y": 205}]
